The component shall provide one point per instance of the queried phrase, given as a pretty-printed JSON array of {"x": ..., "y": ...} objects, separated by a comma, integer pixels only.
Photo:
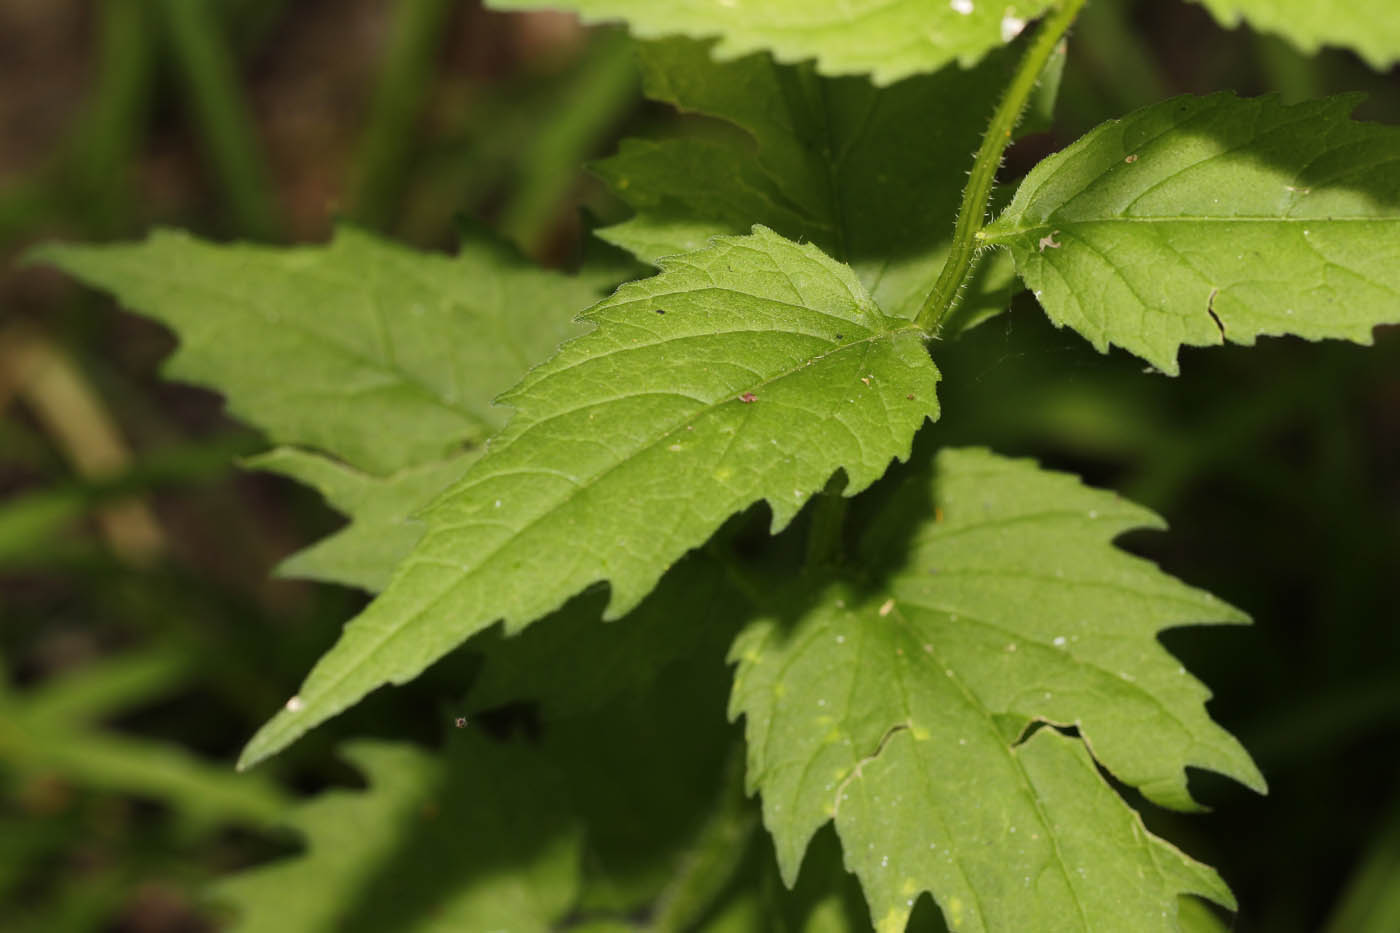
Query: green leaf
[
  {"x": 1198, "y": 220},
  {"x": 889, "y": 39},
  {"x": 55, "y": 728},
  {"x": 825, "y": 899},
  {"x": 1370, "y": 28},
  {"x": 654, "y": 769},
  {"x": 871, "y": 175},
  {"x": 379, "y": 355},
  {"x": 898, "y": 708},
  {"x": 750, "y": 370},
  {"x": 570, "y": 666},
  {"x": 382, "y": 529},
  {"x": 476, "y": 838},
  {"x": 652, "y": 776}
]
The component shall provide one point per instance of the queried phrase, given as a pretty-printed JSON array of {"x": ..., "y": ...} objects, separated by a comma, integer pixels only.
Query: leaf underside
[
  {"x": 887, "y": 39},
  {"x": 870, "y": 175},
  {"x": 381, "y": 356},
  {"x": 1367, "y": 27},
  {"x": 899, "y": 709},
  {"x": 1200, "y": 220},
  {"x": 751, "y": 370},
  {"x": 382, "y": 529}
]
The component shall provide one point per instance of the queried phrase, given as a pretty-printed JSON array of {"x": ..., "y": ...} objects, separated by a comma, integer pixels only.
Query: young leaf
[
  {"x": 382, "y": 356},
  {"x": 874, "y": 706},
  {"x": 1368, "y": 27},
  {"x": 889, "y": 39},
  {"x": 871, "y": 175},
  {"x": 382, "y": 529},
  {"x": 1200, "y": 220},
  {"x": 478, "y": 837},
  {"x": 754, "y": 369}
]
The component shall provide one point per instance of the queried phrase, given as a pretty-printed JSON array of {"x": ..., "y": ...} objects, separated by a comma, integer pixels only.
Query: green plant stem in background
[
  {"x": 713, "y": 859},
  {"x": 211, "y": 85},
  {"x": 605, "y": 86},
  {"x": 89, "y": 183},
  {"x": 1372, "y": 898},
  {"x": 972, "y": 212},
  {"x": 107, "y": 141},
  {"x": 824, "y": 535},
  {"x": 1295, "y": 75},
  {"x": 385, "y": 147},
  {"x": 1123, "y": 64}
]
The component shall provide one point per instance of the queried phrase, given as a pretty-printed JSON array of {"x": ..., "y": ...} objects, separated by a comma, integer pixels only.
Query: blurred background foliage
[{"x": 143, "y": 638}]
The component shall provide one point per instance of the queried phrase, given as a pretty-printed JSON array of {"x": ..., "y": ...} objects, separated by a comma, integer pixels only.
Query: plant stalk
[
  {"x": 828, "y": 517},
  {"x": 387, "y": 144},
  {"x": 972, "y": 212},
  {"x": 216, "y": 101}
]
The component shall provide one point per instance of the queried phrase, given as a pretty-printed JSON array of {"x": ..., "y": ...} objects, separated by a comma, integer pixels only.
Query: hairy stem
[{"x": 972, "y": 213}]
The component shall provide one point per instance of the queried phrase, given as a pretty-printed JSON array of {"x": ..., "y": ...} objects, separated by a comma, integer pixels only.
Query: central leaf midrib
[{"x": 978, "y": 708}]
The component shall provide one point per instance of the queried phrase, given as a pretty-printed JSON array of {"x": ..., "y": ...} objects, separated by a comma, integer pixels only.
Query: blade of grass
[
  {"x": 102, "y": 152},
  {"x": 604, "y": 88},
  {"x": 1371, "y": 903},
  {"x": 379, "y": 169},
  {"x": 212, "y": 91}
]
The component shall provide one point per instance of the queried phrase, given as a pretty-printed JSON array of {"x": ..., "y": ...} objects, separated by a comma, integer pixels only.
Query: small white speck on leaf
[
  {"x": 887, "y": 607},
  {"x": 296, "y": 705},
  {"x": 961, "y": 6},
  {"x": 1011, "y": 26}
]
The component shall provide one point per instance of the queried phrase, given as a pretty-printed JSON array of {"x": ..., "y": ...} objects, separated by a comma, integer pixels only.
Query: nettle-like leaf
[
  {"x": 871, "y": 175},
  {"x": 1200, "y": 220},
  {"x": 478, "y": 837},
  {"x": 1368, "y": 27},
  {"x": 899, "y": 709},
  {"x": 384, "y": 357},
  {"x": 889, "y": 39},
  {"x": 382, "y": 529},
  {"x": 751, "y": 370}
]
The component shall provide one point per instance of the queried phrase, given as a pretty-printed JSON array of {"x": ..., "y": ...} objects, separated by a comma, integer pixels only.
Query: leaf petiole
[{"x": 972, "y": 212}]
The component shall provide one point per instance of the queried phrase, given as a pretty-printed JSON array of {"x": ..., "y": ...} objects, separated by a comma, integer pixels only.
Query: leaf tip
[{"x": 275, "y": 735}]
